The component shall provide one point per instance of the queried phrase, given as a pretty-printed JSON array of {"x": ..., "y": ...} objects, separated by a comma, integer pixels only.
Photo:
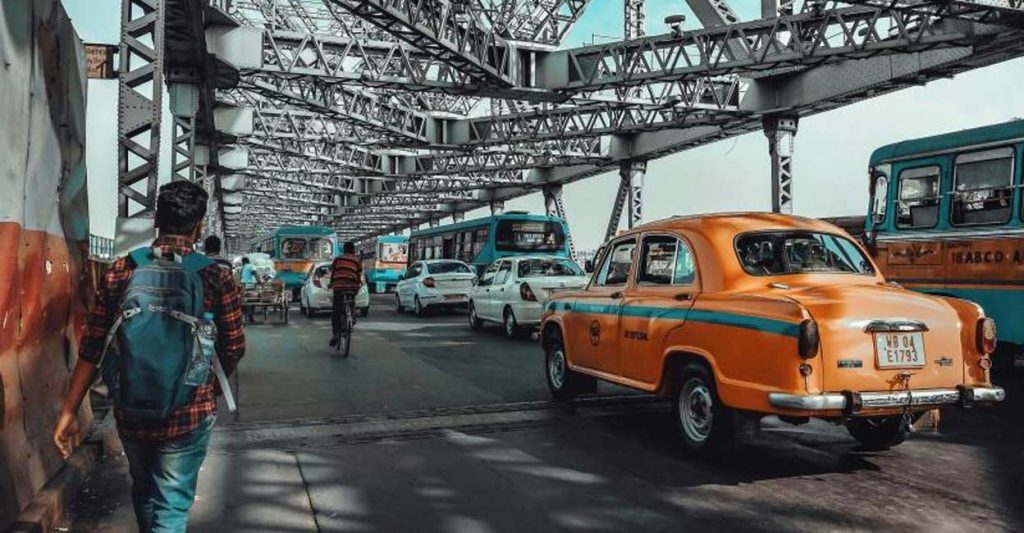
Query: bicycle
[{"x": 345, "y": 328}]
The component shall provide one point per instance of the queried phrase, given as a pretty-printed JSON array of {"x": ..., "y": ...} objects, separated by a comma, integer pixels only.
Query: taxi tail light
[
  {"x": 986, "y": 335},
  {"x": 809, "y": 340},
  {"x": 526, "y": 293},
  {"x": 428, "y": 282}
]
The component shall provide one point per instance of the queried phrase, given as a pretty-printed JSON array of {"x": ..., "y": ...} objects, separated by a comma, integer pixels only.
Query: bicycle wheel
[{"x": 345, "y": 342}]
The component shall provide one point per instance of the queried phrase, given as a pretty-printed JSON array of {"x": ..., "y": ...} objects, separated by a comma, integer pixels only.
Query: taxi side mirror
[{"x": 588, "y": 265}]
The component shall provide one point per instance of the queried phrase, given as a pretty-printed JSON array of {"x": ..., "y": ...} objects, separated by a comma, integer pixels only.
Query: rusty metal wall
[{"x": 44, "y": 232}]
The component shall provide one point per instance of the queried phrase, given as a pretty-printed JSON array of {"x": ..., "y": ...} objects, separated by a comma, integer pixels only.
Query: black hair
[
  {"x": 212, "y": 245},
  {"x": 349, "y": 248},
  {"x": 180, "y": 207},
  {"x": 245, "y": 260}
]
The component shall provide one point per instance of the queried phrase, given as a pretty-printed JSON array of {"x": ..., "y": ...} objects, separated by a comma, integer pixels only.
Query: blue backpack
[{"x": 164, "y": 348}]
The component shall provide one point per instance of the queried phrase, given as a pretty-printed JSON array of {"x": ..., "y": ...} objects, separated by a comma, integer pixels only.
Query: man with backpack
[{"x": 165, "y": 331}]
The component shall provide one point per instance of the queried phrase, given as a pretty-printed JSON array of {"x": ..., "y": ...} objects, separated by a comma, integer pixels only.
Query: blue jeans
[{"x": 164, "y": 476}]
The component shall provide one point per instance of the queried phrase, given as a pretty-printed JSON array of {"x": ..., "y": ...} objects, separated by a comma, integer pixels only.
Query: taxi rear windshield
[{"x": 800, "y": 252}]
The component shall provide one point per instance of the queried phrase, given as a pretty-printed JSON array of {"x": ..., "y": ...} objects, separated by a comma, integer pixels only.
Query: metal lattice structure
[{"x": 380, "y": 115}]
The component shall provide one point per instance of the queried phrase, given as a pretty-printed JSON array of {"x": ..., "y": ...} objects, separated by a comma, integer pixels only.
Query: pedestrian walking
[
  {"x": 165, "y": 331},
  {"x": 212, "y": 249}
]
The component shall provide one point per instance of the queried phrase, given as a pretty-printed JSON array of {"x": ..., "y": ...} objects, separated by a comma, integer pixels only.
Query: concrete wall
[{"x": 43, "y": 232}]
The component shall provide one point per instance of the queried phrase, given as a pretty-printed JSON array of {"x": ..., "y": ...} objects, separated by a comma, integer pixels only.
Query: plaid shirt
[{"x": 220, "y": 295}]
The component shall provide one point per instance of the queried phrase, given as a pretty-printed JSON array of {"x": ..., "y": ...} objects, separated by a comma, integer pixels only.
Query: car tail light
[
  {"x": 809, "y": 339},
  {"x": 428, "y": 282},
  {"x": 986, "y": 335},
  {"x": 316, "y": 282},
  {"x": 527, "y": 293}
]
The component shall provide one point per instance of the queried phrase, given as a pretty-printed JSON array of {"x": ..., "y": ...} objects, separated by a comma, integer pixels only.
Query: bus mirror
[{"x": 879, "y": 195}]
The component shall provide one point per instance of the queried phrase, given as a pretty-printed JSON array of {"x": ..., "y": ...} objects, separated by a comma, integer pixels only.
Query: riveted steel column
[
  {"x": 554, "y": 206},
  {"x": 497, "y": 207},
  {"x": 630, "y": 193},
  {"x": 458, "y": 217},
  {"x": 140, "y": 86},
  {"x": 781, "y": 132}
]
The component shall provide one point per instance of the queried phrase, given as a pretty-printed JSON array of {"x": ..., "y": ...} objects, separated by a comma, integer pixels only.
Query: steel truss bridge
[{"x": 378, "y": 115}]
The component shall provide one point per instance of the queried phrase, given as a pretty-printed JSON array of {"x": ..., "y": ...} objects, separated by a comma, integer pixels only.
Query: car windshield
[
  {"x": 798, "y": 252},
  {"x": 448, "y": 267},
  {"x": 536, "y": 268}
]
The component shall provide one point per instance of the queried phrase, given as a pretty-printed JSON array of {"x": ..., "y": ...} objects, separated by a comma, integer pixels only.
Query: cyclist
[{"x": 346, "y": 276}]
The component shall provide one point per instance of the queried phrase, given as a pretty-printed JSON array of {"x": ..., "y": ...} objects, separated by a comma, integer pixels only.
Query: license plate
[
  {"x": 899, "y": 350},
  {"x": 454, "y": 296}
]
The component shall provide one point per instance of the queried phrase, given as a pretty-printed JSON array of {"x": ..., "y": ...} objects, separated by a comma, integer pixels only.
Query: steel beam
[
  {"x": 140, "y": 95},
  {"x": 453, "y": 32},
  {"x": 554, "y": 206},
  {"x": 781, "y": 132}
]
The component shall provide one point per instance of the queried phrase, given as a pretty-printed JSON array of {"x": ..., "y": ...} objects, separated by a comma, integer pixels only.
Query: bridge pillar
[
  {"x": 781, "y": 132},
  {"x": 458, "y": 216},
  {"x": 433, "y": 222},
  {"x": 630, "y": 193},
  {"x": 497, "y": 207},
  {"x": 554, "y": 206}
]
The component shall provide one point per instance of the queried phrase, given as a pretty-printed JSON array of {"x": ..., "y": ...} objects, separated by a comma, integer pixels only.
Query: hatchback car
[
  {"x": 736, "y": 316},
  {"x": 512, "y": 291},
  {"x": 316, "y": 295},
  {"x": 434, "y": 283}
]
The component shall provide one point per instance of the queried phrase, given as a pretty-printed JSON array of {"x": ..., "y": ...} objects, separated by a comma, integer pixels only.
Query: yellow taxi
[{"x": 735, "y": 316}]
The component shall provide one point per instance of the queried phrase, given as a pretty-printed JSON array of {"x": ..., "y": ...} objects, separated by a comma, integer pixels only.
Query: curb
[{"x": 50, "y": 503}]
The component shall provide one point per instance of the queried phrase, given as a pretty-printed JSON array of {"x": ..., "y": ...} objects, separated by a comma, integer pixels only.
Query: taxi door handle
[
  {"x": 616, "y": 295},
  {"x": 683, "y": 297}
]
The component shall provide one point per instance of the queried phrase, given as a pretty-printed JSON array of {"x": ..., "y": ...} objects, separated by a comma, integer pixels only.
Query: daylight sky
[{"x": 830, "y": 161}]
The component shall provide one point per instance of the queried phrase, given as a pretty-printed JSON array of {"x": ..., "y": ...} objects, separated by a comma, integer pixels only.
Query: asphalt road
[{"x": 429, "y": 426}]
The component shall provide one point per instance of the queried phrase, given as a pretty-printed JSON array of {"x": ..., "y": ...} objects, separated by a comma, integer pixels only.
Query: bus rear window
[
  {"x": 392, "y": 253},
  {"x": 321, "y": 248},
  {"x": 918, "y": 202},
  {"x": 294, "y": 248},
  {"x": 529, "y": 236},
  {"x": 983, "y": 189}
]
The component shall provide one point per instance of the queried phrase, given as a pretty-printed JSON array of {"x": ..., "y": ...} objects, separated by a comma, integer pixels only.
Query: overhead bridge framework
[{"x": 379, "y": 115}]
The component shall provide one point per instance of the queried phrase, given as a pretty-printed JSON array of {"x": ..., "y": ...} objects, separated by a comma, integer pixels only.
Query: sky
[{"x": 829, "y": 162}]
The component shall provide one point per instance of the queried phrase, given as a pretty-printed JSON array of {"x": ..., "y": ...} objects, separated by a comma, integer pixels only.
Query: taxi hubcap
[
  {"x": 556, "y": 369},
  {"x": 695, "y": 410}
]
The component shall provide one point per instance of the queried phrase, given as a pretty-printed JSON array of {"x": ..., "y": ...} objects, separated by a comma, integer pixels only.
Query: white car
[
  {"x": 512, "y": 291},
  {"x": 316, "y": 294},
  {"x": 434, "y": 283}
]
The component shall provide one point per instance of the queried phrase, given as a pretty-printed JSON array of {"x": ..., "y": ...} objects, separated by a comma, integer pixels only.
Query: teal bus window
[
  {"x": 919, "y": 200},
  {"x": 983, "y": 187}
]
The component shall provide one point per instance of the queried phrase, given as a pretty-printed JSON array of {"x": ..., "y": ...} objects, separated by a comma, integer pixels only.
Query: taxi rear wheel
[
  {"x": 563, "y": 383},
  {"x": 878, "y": 432},
  {"x": 705, "y": 424}
]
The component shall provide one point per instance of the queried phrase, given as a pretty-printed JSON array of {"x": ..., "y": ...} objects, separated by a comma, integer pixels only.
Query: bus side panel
[{"x": 989, "y": 272}]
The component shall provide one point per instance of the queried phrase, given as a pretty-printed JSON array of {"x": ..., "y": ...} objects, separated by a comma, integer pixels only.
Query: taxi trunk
[{"x": 878, "y": 338}]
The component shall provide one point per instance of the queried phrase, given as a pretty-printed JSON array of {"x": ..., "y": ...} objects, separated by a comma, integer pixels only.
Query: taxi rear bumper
[{"x": 854, "y": 402}]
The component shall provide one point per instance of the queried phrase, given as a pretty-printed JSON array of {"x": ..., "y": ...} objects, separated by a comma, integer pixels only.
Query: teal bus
[
  {"x": 479, "y": 242},
  {"x": 294, "y": 249},
  {"x": 384, "y": 259},
  {"x": 945, "y": 218}
]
